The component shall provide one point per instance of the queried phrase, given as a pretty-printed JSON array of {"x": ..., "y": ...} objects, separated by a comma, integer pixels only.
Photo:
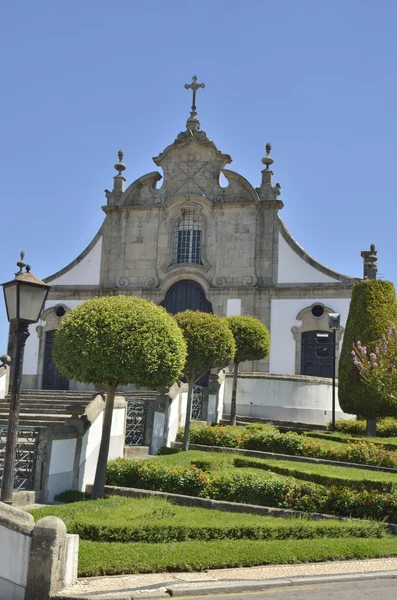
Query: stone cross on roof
[{"x": 194, "y": 86}]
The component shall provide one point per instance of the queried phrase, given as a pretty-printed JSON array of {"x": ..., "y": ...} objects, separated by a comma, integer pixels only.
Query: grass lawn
[
  {"x": 124, "y": 535},
  {"x": 156, "y": 520},
  {"x": 98, "y": 558},
  {"x": 325, "y": 474}
]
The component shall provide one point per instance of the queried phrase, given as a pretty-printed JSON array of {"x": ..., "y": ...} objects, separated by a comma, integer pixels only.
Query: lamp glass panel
[
  {"x": 10, "y": 295},
  {"x": 31, "y": 299}
]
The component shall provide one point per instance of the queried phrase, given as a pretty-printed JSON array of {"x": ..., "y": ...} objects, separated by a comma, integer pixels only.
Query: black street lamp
[
  {"x": 323, "y": 338},
  {"x": 24, "y": 298}
]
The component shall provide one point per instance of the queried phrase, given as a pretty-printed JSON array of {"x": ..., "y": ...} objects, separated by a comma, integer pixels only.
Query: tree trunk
[
  {"x": 98, "y": 489},
  {"x": 371, "y": 427},
  {"x": 233, "y": 406},
  {"x": 188, "y": 415}
]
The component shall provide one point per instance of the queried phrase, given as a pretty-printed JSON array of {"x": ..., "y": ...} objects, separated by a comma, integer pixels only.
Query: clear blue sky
[{"x": 81, "y": 79}]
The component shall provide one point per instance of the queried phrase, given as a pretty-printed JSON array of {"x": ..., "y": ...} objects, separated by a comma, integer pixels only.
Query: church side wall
[
  {"x": 283, "y": 318},
  {"x": 85, "y": 272},
  {"x": 293, "y": 269},
  {"x": 34, "y": 350}
]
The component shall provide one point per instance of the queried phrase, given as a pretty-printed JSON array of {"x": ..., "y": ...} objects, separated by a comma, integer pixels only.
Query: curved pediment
[
  {"x": 143, "y": 191},
  {"x": 239, "y": 188}
]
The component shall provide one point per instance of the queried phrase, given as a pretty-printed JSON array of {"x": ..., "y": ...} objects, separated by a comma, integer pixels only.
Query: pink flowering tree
[{"x": 378, "y": 369}]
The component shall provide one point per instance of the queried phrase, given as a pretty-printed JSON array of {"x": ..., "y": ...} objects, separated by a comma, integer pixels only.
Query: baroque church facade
[{"x": 182, "y": 241}]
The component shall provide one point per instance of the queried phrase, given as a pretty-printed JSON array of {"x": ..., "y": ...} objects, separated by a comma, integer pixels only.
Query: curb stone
[{"x": 227, "y": 587}]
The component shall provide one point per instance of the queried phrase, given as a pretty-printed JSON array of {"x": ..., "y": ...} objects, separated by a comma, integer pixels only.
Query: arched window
[{"x": 187, "y": 239}]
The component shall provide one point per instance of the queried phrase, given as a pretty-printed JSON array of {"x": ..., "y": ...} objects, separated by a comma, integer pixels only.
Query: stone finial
[
  {"x": 21, "y": 264},
  {"x": 120, "y": 166},
  {"x": 119, "y": 181},
  {"x": 370, "y": 262},
  {"x": 267, "y": 160}
]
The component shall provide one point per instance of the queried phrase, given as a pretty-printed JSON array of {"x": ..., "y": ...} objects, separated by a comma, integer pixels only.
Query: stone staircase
[
  {"x": 44, "y": 408},
  {"x": 39, "y": 409}
]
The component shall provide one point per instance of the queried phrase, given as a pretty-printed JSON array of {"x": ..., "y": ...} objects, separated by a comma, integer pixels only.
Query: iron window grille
[{"x": 187, "y": 239}]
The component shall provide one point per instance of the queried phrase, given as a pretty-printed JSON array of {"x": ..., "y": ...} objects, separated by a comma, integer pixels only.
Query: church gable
[{"x": 295, "y": 266}]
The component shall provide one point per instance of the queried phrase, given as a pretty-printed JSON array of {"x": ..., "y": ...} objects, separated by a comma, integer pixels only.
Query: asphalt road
[{"x": 383, "y": 589}]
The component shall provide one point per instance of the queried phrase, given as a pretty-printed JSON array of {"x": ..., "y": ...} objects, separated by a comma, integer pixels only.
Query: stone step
[
  {"x": 38, "y": 408},
  {"x": 136, "y": 451},
  {"x": 36, "y": 415},
  {"x": 34, "y": 423}
]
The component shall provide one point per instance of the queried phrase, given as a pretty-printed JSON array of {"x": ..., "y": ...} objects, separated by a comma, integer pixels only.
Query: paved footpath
[{"x": 214, "y": 581}]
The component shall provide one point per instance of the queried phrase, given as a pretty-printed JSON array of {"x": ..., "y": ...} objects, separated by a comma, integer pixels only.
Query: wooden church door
[
  {"x": 189, "y": 295},
  {"x": 52, "y": 378},
  {"x": 316, "y": 358}
]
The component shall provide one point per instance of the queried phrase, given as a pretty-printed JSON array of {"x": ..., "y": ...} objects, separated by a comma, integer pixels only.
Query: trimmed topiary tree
[
  {"x": 252, "y": 343},
  {"x": 210, "y": 344},
  {"x": 373, "y": 308},
  {"x": 118, "y": 340}
]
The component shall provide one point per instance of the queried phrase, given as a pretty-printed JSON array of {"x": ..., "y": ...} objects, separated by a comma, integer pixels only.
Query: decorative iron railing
[
  {"x": 136, "y": 420},
  {"x": 25, "y": 458},
  {"x": 200, "y": 394}
]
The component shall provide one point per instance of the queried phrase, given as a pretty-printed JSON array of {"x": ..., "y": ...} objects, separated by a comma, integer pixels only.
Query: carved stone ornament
[
  {"x": 249, "y": 281},
  {"x": 125, "y": 282}
]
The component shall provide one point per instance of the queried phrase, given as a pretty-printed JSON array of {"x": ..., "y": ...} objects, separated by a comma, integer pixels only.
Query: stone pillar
[
  {"x": 46, "y": 573},
  {"x": 214, "y": 399},
  {"x": 370, "y": 262}
]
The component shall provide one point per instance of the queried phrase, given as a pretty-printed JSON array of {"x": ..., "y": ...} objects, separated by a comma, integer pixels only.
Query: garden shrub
[
  {"x": 249, "y": 487},
  {"x": 287, "y": 529},
  {"x": 373, "y": 308},
  {"x": 71, "y": 496},
  {"x": 386, "y": 427},
  {"x": 360, "y": 452},
  {"x": 302, "y": 471},
  {"x": 148, "y": 475}
]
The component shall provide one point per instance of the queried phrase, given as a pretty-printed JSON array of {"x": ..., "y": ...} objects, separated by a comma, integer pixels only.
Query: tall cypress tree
[{"x": 373, "y": 308}]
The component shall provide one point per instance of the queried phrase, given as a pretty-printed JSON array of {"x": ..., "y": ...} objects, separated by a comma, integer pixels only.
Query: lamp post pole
[
  {"x": 21, "y": 334},
  {"x": 24, "y": 297},
  {"x": 333, "y": 377}
]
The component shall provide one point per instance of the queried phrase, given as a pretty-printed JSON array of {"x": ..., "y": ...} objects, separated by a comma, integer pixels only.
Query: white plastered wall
[
  {"x": 283, "y": 318},
  {"x": 14, "y": 563},
  {"x": 33, "y": 342},
  {"x": 60, "y": 477},
  {"x": 293, "y": 269},
  {"x": 86, "y": 272}
]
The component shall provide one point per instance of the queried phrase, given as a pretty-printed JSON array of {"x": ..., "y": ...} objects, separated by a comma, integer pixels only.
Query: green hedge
[
  {"x": 386, "y": 427},
  {"x": 149, "y": 475},
  {"x": 360, "y": 452},
  {"x": 250, "y": 487},
  {"x": 344, "y": 438},
  {"x": 324, "y": 474},
  {"x": 298, "y": 529}
]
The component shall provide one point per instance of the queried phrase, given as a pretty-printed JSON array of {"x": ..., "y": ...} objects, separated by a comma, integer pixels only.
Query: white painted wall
[
  {"x": 86, "y": 272},
  {"x": 89, "y": 453},
  {"x": 158, "y": 432},
  {"x": 91, "y": 442},
  {"x": 4, "y": 377},
  {"x": 233, "y": 307},
  {"x": 293, "y": 269},
  {"x": 283, "y": 318},
  {"x": 60, "y": 476},
  {"x": 14, "y": 563},
  {"x": 32, "y": 343},
  {"x": 298, "y": 399},
  {"x": 173, "y": 424},
  {"x": 117, "y": 433}
]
